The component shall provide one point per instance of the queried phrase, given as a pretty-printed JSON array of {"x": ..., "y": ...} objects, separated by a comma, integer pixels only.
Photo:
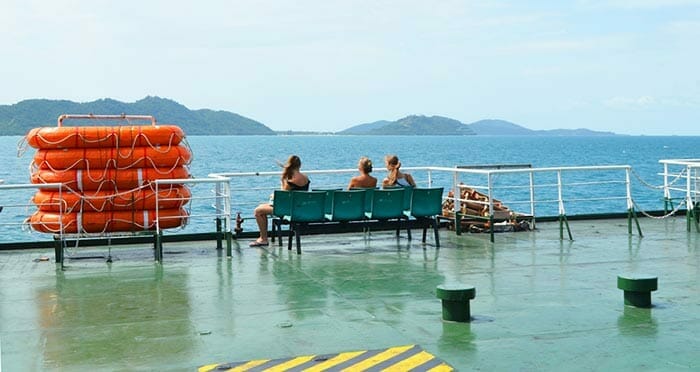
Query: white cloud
[
  {"x": 645, "y": 102},
  {"x": 629, "y": 102},
  {"x": 684, "y": 28}
]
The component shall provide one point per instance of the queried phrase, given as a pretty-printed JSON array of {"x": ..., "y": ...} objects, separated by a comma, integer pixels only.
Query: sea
[{"x": 230, "y": 154}]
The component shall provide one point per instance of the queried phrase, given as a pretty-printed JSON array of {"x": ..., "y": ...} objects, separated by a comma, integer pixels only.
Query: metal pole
[
  {"x": 532, "y": 198},
  {"x": 690, "y": 207},
  {"x": 106, "y": 117},
  {"x": 457, "y": 202},
  {"x": 227, "y": 214},
  {"x": 490, "y": 185}
]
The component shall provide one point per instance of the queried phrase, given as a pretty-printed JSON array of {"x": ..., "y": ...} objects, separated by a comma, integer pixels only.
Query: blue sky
[{"x": 627, "y": 66}]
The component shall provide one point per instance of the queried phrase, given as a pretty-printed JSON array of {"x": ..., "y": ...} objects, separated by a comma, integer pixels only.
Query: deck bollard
[
  {"x": 637, "y": 289},
  {"x": 455, "y": 301}
]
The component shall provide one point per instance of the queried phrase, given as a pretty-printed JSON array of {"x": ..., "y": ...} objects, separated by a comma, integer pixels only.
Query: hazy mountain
[
  {"x": 19, "y": 118},
  {"x": 412, "y": 125},
  {"x": 437, "y": 125},
  {"x": 498, "y": 127},
  {"x": 364, "y": 128}
]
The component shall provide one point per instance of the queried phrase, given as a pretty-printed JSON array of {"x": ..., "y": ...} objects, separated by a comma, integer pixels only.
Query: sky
[{"x": 626, "y": 66}]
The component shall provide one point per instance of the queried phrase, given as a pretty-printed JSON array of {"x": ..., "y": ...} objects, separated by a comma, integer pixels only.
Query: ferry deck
[
  {"x": 542, "y": 303},
  {"x": 544, "y": 300}
]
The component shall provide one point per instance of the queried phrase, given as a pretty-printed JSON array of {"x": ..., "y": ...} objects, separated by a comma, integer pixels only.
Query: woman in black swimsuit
[{"x": 292, "y": 179}]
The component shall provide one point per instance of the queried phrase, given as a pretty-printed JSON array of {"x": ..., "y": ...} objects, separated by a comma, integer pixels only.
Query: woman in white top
[{"x": 395, "y": 176}]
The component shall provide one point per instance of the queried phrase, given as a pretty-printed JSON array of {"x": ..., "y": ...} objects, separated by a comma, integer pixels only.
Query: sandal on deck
[{"x": 256, "y": 243}]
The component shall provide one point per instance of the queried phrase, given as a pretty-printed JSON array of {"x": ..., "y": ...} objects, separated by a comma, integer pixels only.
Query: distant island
[
  {"x": 438, "y": 125},
  {"x": 19, "y": 118}
]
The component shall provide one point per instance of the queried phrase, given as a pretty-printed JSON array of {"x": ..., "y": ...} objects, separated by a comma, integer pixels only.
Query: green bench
[{"x": 302, "y": 209}]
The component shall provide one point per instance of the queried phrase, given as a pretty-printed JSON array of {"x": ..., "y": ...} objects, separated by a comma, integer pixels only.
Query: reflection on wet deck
[{"x": 541, "y": 303}]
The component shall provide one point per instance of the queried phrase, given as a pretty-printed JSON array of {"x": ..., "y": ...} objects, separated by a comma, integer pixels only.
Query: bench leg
[
  {"x": 279, "y": 233},
  {"x": 298, "y": 235},
  {"x": 437, "y": 234},
  {"x": 272, "y": 235},
  {"x": 408, "y": 229}
]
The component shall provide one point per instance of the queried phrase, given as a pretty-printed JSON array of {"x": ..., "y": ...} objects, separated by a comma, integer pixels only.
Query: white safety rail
[
  {"x": 249, "y": 189},
  {"x": 541, "y": 191},
  {"x": 201, "y": 202},
  {"x": 535, "y": 192},
  {"x": 17, "y": 206},
  {"x": 532, "y": 191},
  {"x": 682, "y": 184}
]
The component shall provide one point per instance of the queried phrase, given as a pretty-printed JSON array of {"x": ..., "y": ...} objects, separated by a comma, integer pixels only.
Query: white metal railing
[
  {"x": 248, "y": 188},
  {"x": 676, "y": 171},
  {"x": 533, "y": 189},
  {"x": 21, "y": 219},
  {"x": 221, "y": 200}
]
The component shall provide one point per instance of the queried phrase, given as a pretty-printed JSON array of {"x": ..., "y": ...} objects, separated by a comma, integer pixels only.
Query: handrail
[{"x": 106, "y": 117}]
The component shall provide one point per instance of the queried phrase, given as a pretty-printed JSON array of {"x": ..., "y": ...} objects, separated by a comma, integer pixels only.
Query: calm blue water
[{"x": 261, "y": 153}]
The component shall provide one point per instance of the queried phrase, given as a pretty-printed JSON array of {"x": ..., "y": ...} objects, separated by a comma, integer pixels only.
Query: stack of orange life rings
[{"x": 108, "y": 173}]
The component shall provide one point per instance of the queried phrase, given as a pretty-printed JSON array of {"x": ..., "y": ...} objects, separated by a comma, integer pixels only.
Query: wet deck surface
[{"x": 541, "y": 303}]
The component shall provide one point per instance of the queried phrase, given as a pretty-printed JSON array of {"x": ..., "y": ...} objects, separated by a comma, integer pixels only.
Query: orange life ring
[
  {"x": 107, "y": 136},
  {"x": 113, "y": 221},
  {"x": 175, "y": 196},
  {"x": 122, "y": 158},
  {"x": 107, "y": 179}
]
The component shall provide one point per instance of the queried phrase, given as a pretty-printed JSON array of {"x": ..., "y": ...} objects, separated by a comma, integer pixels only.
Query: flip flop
[{"x": 256, "y": 243}]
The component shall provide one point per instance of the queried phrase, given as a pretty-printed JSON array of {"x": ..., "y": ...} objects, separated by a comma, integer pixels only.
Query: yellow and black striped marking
[{"x": 399, "y": 358}]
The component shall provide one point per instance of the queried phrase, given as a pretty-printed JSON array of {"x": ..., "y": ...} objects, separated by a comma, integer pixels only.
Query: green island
[{"x": 19, "y": 118}]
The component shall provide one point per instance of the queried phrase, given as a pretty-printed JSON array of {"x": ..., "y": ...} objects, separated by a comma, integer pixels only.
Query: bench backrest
[
  {"x": 387, "y": 204},
  {"x": 308, "y": 206},
  {"x": 281, "y": 203},
  {"x": 426, "y": 202},
  {"x": 348, "y": 205}
]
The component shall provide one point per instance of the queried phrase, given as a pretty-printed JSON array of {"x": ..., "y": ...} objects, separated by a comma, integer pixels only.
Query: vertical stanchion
[
  {"x": 532, "y": 198},
  {"x": 457, "y": 202},
  {"x": 218, "y": 233},
  {"x": 227, "y": 215},
  {"x": 562, "y": 212},
  {"x": 631, "y": 214},
  {"x": 490, "y": 192}
]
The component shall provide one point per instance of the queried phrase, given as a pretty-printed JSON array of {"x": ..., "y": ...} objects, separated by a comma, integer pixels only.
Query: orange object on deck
[
  {"x": 100, "y": 222},
  {"x": 107, "y": 175},
  {"x": 103, "y": 201},
  {"x": 107, "y": 179},
  {"x": 106, "y": 136},
  {"x": 116, "y": 158}
]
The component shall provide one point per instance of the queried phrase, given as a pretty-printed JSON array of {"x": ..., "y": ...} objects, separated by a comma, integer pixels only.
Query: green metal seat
[
  {"x": 388, "y": 204},
  {"x": 347, "y": 206},
  {"x": 369, "y": 191},
  {"x": 281, "y": 207},
  {"x": 329, "y": 198},
  {"x": 306, "y": 207},
  {"x": 426, "y": 205},
  {"x": 407, "y": 193}
]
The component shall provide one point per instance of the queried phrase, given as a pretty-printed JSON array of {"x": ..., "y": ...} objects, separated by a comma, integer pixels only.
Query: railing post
[
  {"x": 532, "y": 198},
  {"x": 690, "y": 206},
  {"x": 217, "y": 206},
  {"x": 490, "y": 192},
  {"x": 631, "y": 214},
  {"x": 562, "y": 212},
  {"x": 667, "y": 192},
  {"x": 227, "y": 216},
  {"x": 457, "y": 202}
]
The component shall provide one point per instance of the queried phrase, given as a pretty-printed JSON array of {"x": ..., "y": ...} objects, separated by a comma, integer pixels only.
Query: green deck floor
[{"x": 541, "y": 303}]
